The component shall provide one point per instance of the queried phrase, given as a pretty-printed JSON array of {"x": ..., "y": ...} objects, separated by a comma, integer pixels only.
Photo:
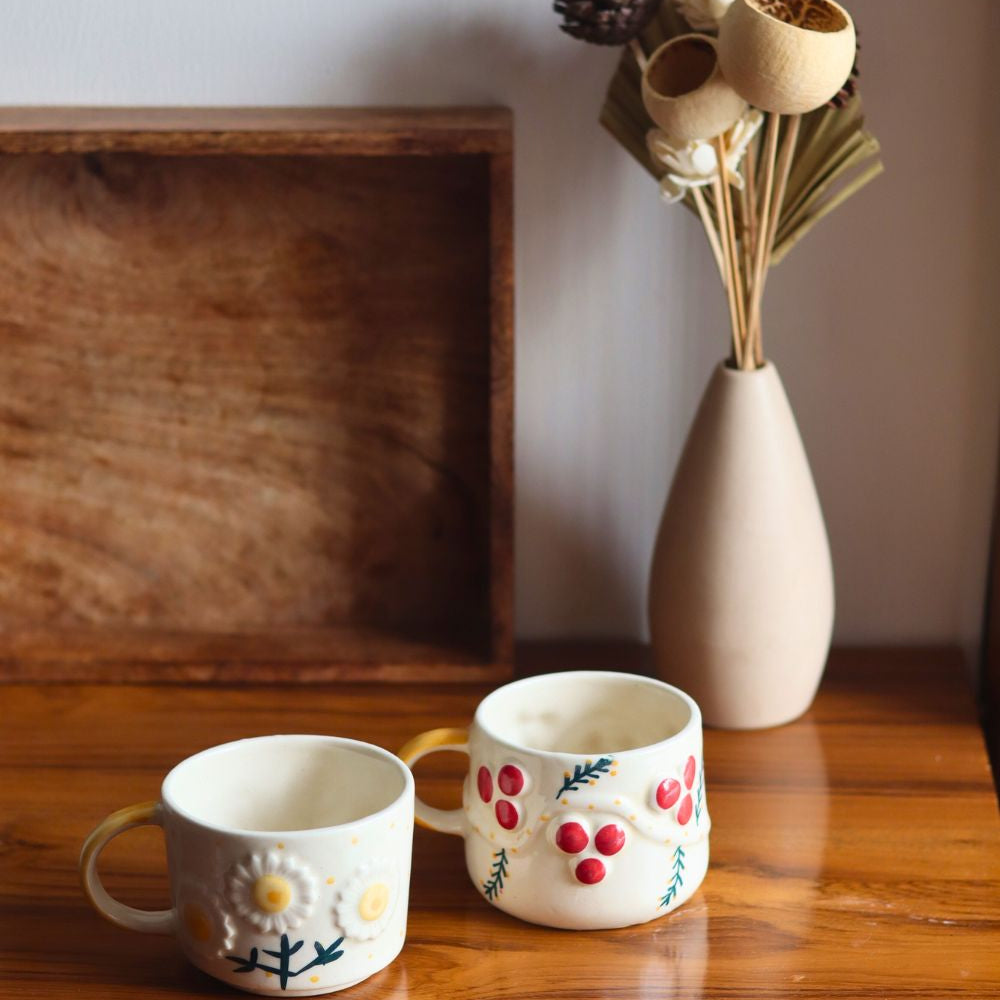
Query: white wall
[{"x": 883, "y": 322}]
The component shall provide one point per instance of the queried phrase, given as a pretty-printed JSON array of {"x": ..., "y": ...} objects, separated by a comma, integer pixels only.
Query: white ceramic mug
[
  {"x": 289, "y": 862},
  {"x": 584, "y": 806}
]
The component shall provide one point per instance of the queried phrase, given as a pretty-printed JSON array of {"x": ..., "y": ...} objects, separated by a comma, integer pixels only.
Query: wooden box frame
[{"x": 47, "y": 630}]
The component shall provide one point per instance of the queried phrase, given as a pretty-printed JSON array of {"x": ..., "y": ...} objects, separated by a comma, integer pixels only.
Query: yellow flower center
[
  {"x": 198, "y": 923},
  {"x": 373, "y": 901},
  {"x": 272, "y": 893}
]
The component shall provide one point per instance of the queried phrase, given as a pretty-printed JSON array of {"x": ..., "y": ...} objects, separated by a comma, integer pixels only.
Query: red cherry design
[
  {"x": 668, "y": 792},
  {"x": 507, "y": 815},
  {"x": 689, "y": 769},
  {"x": 571, "y": 838},
  {"x": 485, "y": 782},
  {"x": 590, "y": 871},
  {"x": 610, "y": 839},
  {"x": 685, "y": 810},
  {"x": 510, "y": 779}
]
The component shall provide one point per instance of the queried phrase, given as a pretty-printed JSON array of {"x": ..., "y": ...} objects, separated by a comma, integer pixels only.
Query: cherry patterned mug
[{"x": 584, "y": 806}]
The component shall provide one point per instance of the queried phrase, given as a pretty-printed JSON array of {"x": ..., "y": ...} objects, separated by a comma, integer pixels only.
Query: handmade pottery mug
[
  {"x": 584, "y": 806},
  {"x": 289, "y": 862}
]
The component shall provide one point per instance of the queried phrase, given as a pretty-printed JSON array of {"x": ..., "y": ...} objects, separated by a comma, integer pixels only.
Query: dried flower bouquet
[{"x": 747, "y": 113}]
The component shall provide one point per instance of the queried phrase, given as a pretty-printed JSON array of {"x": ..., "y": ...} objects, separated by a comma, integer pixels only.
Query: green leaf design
[
  {"x": 677, "y": 879},
  {"x": 698, "y": 803},
  {"x": 493, "y": 886},
  {"x": 584, "y": 774},
  {"x": 324, "y": 956}
]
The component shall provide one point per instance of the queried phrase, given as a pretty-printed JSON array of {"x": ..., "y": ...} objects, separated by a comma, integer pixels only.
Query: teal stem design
[
  {"x": 493, "y": 886},
  {"x": 283, "y": 970},
  {"x": 677, "y": 879},
  {"x": 591, "y": 771},
  {"x": 698, "y": 799}
]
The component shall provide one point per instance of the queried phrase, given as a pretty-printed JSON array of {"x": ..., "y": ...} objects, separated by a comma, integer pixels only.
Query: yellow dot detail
[
  {"x": 354, "y": 840},
  {"x": 614, "y": 774},
  {"x": 493, "y": 836},
  {"x": 632, "y": 817},
  {"x": 565, "y": 774},
  {"x": 546, "y": 817},
  {"x": 618, "y": 802},
  {"x": 590, "y": 805},
  {"x": 371, "y": 954},
  {"x": 565, "y": 802},
  {"x": 373, "y": 901},
  {"x": 330, "y": 880},
  {"x": 589, "y": 762},
  {"x": 314, "y": 979},
  {"x": 198, "y": 923},
  {"x": 592, "y": 782},
  {"x": 268, "y": 975},
  {"x": 281, "y": 846},
  {"x": 272, "y": 893}
]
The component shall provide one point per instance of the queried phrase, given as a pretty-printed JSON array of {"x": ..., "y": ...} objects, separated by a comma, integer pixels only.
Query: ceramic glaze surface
[
  {"x": 576, "y": 839},
  {"x": 741, "y": 597},
  {"x": 302, "y": 911}
]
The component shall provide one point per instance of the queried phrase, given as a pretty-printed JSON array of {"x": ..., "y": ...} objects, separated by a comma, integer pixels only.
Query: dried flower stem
[
  {"x": 729, "y": 236},
  {"x": 640, "y": 56},
  {"x": 750, "y": 178},
  {"x": 748, "y": 235},
  {"x": 782, "y": 170},
  {"x": 734, "y": 321},
  {"x": 764, "y": 206},
  {"x": 709, "y": 226},
  {"x": 746, "y": 242}
]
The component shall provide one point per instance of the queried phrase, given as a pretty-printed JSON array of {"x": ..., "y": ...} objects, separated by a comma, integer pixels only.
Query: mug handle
[
  {"x": 148, "y": 921},
  {"x": 442, "y": 820}
]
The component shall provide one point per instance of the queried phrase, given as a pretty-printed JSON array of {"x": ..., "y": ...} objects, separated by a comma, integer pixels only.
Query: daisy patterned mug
[
  {"x": 289, "y": 862},
  {"x": 584, "y": 806}
]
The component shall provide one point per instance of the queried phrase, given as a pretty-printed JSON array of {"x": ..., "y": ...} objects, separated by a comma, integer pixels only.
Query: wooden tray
[{"x": 255, "y": 394}]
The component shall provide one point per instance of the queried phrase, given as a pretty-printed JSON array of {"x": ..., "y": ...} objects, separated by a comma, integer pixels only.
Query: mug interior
[
  {"x": 285, "y": 783},
  {"x": 585, "y": 712}
]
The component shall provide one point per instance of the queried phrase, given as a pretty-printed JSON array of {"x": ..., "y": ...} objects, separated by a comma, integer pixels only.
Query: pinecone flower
[{"x": 605, "y": 22}]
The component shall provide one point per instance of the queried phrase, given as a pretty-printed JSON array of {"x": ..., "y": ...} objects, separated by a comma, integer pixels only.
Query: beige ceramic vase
[{"x": 741, "y": 587}]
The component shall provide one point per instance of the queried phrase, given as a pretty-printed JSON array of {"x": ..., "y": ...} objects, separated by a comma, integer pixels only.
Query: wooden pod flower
[
  {"x": 786, "y": 56},
  {"x": 685, "y": 92}
]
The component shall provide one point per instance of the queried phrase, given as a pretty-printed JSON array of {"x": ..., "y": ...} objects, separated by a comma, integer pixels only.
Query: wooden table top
[{"x": 855, "y": 852}]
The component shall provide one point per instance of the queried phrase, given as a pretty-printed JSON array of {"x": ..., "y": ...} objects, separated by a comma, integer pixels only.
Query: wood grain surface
[
  {"x": 302, "y": 131},
  {"x": 255, "y": 410},
  {"x": 855, "y": 853},
  {"x": 991, "y": 645}
]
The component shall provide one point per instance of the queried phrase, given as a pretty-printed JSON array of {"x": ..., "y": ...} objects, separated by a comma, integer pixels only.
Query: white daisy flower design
[
  {"x": 206, "y": 926},
  {"x": 272, "y": 892},
  {"x": 694, "y": 164},
  {"x": 368, "y": 900}
]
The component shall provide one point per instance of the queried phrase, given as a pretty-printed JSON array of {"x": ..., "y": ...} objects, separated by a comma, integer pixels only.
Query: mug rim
[
  {"x": 693, "y": 722},
  {"x": 167, "y": 800}
]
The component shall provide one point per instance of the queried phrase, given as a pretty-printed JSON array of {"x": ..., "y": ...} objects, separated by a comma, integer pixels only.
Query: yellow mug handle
[
  {"x": 149, "y": 921},
  {"x": 442, "y": 820}
]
